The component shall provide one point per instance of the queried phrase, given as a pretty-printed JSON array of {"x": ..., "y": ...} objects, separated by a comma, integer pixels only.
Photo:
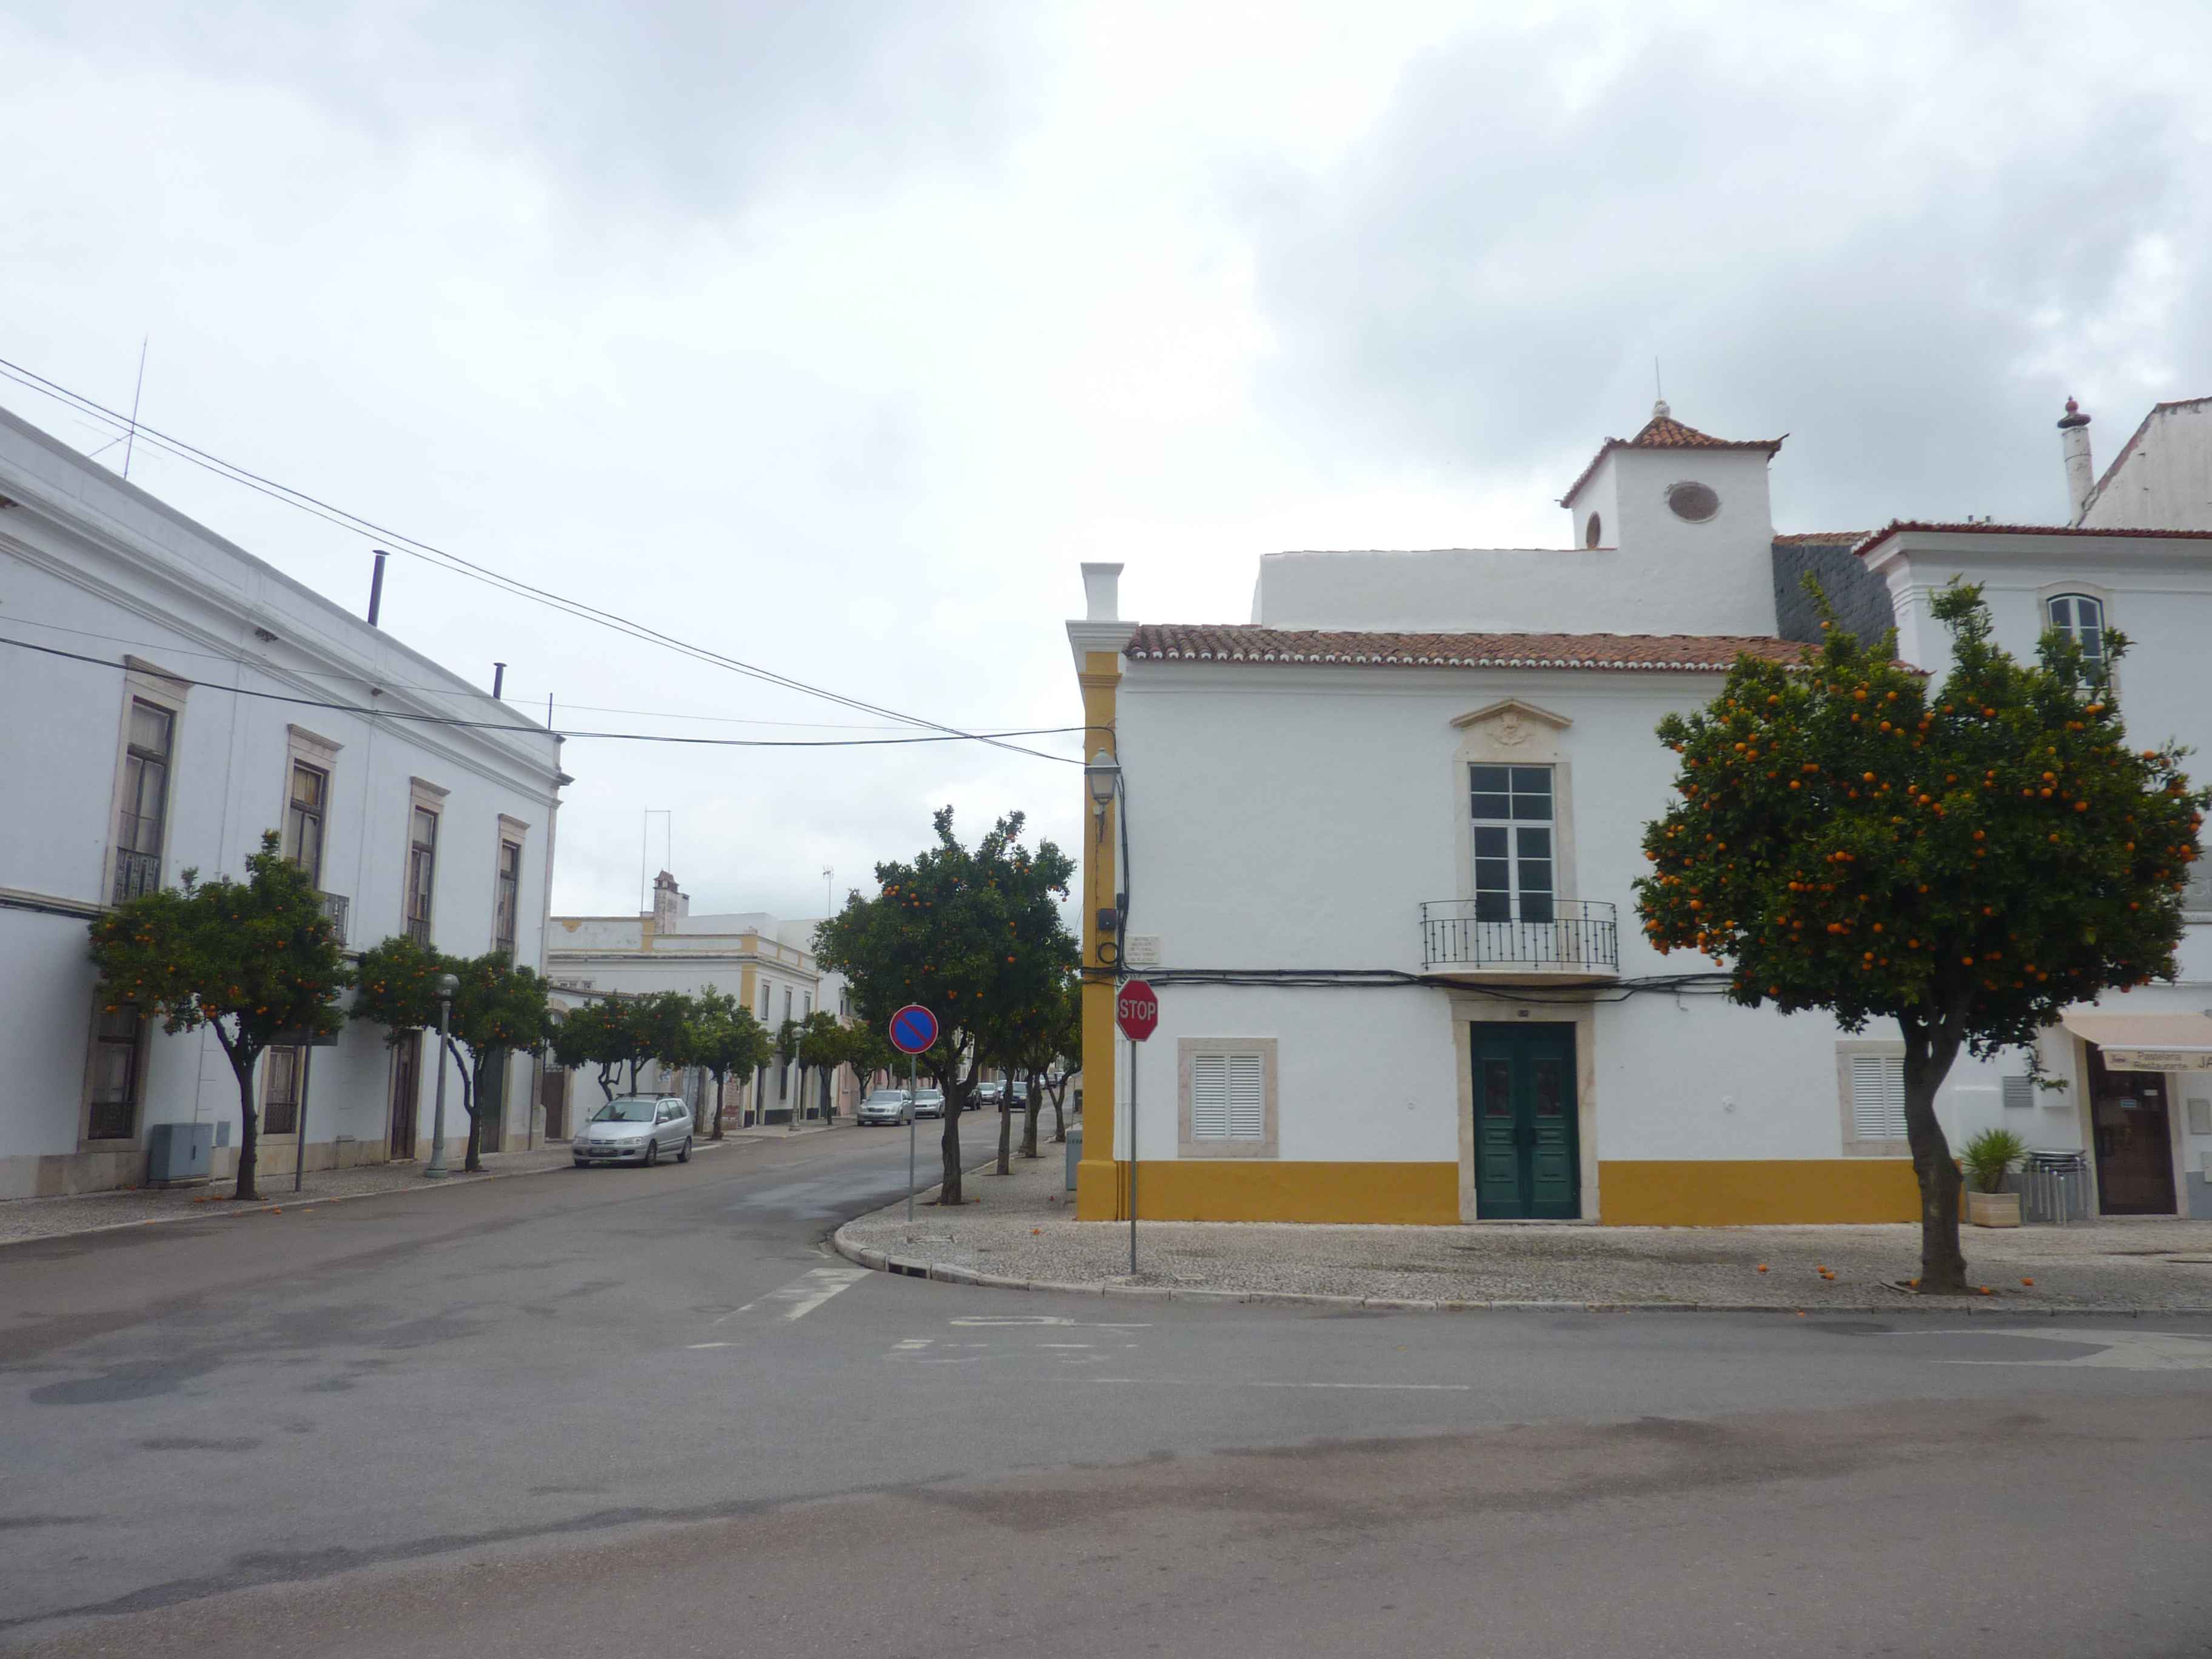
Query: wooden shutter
[
  {"x": 1228, "y": 1098},
  {"x": 1877, "y": 1097}
]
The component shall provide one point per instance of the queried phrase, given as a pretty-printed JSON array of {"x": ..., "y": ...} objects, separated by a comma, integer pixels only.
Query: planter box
[{"x": 1993, "y": 1209}]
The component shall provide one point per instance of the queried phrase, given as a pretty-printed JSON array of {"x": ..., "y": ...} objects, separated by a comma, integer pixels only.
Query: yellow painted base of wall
[
  {"x": 1719, "y": 1193},
  {"x": 1757, "y": 1192},
  {"x": 1256, "y": 1189}
]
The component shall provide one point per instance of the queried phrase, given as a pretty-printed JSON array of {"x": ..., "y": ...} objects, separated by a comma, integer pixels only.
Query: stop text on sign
[{"x": 1137, "y": 1010}]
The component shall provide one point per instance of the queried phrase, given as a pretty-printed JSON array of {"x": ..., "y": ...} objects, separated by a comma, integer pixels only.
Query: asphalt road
[{"x": 637, "y": 1411}]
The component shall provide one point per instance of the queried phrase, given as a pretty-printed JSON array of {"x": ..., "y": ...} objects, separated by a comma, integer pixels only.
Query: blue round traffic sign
[{"x": 913, "y": 1029}]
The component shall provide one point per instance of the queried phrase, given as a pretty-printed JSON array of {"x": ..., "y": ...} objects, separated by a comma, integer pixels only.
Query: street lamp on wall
[{"x": 1103, "y": 774}]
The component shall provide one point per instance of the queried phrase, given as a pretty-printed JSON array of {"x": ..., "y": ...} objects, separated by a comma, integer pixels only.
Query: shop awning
[{"x": 2147, "y": 1043}]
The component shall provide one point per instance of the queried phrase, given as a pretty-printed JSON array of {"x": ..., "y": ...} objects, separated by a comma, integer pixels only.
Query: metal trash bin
[
  {"x": 2054, "y": 1187},
  {"x": 1074, "y": 1155}
]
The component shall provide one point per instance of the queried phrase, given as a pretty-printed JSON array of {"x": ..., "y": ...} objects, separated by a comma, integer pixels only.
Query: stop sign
[{"x": 1137, "y": 1010}]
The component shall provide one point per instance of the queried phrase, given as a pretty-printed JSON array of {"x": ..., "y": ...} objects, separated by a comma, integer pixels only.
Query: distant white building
[
  {"x": 171, "y": 697},
  {"x": 767, "y": 964},
  {"x": 1380, "y": 840}
]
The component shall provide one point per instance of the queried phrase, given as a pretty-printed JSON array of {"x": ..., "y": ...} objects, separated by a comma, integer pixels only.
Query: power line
[
  {"x": 513, "y": 695},
  {"x": 546, "y": 731},
  {"x": 429, "y": 553}
]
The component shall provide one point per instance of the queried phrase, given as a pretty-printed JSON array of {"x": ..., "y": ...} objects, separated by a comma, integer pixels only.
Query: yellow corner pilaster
[{"x": 1099, "y": 1178}]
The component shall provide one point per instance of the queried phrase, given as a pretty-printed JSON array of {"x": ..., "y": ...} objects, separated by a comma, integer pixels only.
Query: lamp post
[{"x": 448, "y": 984}]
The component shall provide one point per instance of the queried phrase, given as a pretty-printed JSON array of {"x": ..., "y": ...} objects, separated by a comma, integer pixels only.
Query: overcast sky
[{"x": 835, "y": 336}]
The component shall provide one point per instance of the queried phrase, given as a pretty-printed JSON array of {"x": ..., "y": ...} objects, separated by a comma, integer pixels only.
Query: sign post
[
  {"x": 913, "y": 1029},
  {"x": 1137, "y": 1012}
]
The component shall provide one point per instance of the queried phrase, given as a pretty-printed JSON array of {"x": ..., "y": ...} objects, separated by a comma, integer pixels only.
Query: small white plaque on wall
[{"x": 1140, "y": 950}]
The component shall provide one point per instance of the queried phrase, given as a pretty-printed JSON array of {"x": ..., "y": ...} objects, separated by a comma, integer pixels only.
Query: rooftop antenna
[
  {"x": 136, "y": 391},
  {"x": 829, "y": 890}
]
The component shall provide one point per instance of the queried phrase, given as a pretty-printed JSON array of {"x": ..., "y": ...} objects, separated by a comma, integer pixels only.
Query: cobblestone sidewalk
[{"x": 1022, "y": 1228}]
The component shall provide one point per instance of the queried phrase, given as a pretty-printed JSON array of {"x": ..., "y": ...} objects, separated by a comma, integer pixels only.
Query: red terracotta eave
[
  {"x": 1915, "y": 527},
  {"x": 1769, "y": 446}
]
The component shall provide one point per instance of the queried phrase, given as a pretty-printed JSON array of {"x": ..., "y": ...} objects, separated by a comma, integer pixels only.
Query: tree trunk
[
  {"x": 1059, "y": 1116},
  {"x": 1006, "y": 1124},
  {"x": 470, "y": 1070},
  {"x": 249, "y": 1135},
  {"x": 1930, "y": 1051},
  {"x": 719, "y": 1080},
  {"x": 634, "y": 1064},
  {"x": 606, "y": 1083},
  {"x": 1030, "y": 1107},
  {"x": 955, "y": 1103}
]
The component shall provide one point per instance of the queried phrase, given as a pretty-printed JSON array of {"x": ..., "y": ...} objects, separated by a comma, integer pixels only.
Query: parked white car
[
  {"x": 883, "y": 1106},
  {"x": 635, "y": 1130}
]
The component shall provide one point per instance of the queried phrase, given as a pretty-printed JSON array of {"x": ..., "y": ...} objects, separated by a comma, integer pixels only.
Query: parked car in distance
[
  {"x": 986, "y": 1094},
  {"x": 929, "y": 1102},
  {"x": 883, "y": 1106},
  {"x": 635, "y": 1130}
]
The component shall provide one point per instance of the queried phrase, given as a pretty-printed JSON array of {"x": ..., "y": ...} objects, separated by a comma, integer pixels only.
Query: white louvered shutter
[
  {"x": 1247, "y": 1109},
  {"x": 1226, "y": 1097},
  {"x": 2018, "y": 1091},
  {"x": 1877, "y": 1097}
]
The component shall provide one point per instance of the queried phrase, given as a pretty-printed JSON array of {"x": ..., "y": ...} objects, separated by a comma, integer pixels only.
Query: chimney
[
  {"x": 376, "y": 590},
  {"x": 2081, "y": 474},
  {"x": 498, "y": 679},
  {"x": 1101, "y": 585}
]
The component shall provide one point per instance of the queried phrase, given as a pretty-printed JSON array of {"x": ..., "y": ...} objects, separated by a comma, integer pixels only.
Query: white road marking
[
  {"x": 1043, "y": 1319},
  {"x": 804, "y": 1294},
  {"x": 1065, "y": 1344},
  {"x": 1215, "y": 1382},
  {"x": 712, "y": 1344},
  {"x": 2124, "y": 1351},
  {"x": 911, "y": 1343}
]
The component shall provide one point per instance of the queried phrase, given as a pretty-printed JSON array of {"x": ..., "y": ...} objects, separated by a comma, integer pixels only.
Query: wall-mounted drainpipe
[{"x": 376, "y": 589}]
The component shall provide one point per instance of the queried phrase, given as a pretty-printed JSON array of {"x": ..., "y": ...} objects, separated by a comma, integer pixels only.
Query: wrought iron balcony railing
[
  {"x": 335, "y": 906},
  {"x": 136, "y": 874},
  {"x": 418, "y": 929},
  {"x": 1535, "y": 933}
]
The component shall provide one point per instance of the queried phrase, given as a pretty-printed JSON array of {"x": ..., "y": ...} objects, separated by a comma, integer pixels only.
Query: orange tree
[
  {"x": 974, "y": 936},
  {"x": 1968, "y": 861},
  {"x": 254, "y": 961}
]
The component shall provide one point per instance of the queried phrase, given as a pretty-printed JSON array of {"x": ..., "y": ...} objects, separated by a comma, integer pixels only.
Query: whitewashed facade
[
  {"x": 1335, "y": 793},
  {"x": 766, "y": 962},
  {"x": 165, "y": 741}
]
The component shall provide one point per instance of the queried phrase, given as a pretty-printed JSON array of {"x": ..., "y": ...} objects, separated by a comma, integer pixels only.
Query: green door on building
[{"x": 1527, "y": 1162}]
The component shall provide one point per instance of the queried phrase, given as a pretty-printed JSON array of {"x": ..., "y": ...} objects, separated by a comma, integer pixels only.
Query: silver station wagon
[{"x": 635, "y": 1130}]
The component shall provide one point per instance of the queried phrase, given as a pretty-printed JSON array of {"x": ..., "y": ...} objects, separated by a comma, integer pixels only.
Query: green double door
[{"x": 1526, "y": 1154}]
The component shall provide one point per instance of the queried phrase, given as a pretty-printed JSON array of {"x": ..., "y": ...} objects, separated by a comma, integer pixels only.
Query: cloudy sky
[{"x": 833, "y": 337}]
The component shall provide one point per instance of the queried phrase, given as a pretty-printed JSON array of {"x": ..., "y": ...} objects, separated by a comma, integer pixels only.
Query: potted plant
[{"x": 1987, "y": 1159}]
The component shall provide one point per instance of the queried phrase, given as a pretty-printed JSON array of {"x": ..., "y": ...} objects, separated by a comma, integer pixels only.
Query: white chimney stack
[
  {"x": 1101, "y": 585},
  {"x": 2080, "y": 473}
]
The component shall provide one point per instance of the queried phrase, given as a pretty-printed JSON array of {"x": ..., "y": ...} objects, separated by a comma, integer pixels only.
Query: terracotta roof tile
[
  {"x": 1874, "y": 538},
  {"x": 1666, "y": 653},
  {"x": 1663, "y": 431},
  {"x": 1822, "y": 538}
]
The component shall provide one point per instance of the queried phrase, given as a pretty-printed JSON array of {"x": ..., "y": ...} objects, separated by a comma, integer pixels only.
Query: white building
[
  {"x": 171, "y": 698},
  {"x": 765, "y": 962},
  {"x": 1380, "y": 842}
]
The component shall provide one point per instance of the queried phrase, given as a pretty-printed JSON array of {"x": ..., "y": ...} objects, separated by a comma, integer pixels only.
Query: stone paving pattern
[{"x": 1022, "y": 1227}]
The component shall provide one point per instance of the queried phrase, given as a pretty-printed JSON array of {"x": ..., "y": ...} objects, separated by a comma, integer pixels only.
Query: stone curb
[
  {"x": 309, "y": 1200},
  {"x": 1977, "y": 1306}
]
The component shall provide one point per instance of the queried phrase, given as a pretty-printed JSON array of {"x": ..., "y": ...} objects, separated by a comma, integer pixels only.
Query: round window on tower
[
  {"x": 1694, "y": 502},
  {"x": 1593, "y": 532}
]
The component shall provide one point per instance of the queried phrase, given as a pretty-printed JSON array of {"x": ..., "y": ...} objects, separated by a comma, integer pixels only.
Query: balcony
[
  {"x": 335, "y": 906},
  {"x": 136, "y": 874},
  {"x": 1571, "y": 939}
]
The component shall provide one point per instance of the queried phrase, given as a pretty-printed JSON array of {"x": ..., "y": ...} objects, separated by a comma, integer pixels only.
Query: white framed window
[
  {"x": 119, "y": 1072},
  {"x": 280, "y": 1068},
  {"x": 141, "y": 815},
  {"x": 507, "y": 895},
  {"x": 1515, "y": 867},
  {"x": 2081, "y": 618},
  {"x": 1227, "y": 1107},
  {"x": 1870, "y": 1082},
  {"x": 307, "y": 805}
]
